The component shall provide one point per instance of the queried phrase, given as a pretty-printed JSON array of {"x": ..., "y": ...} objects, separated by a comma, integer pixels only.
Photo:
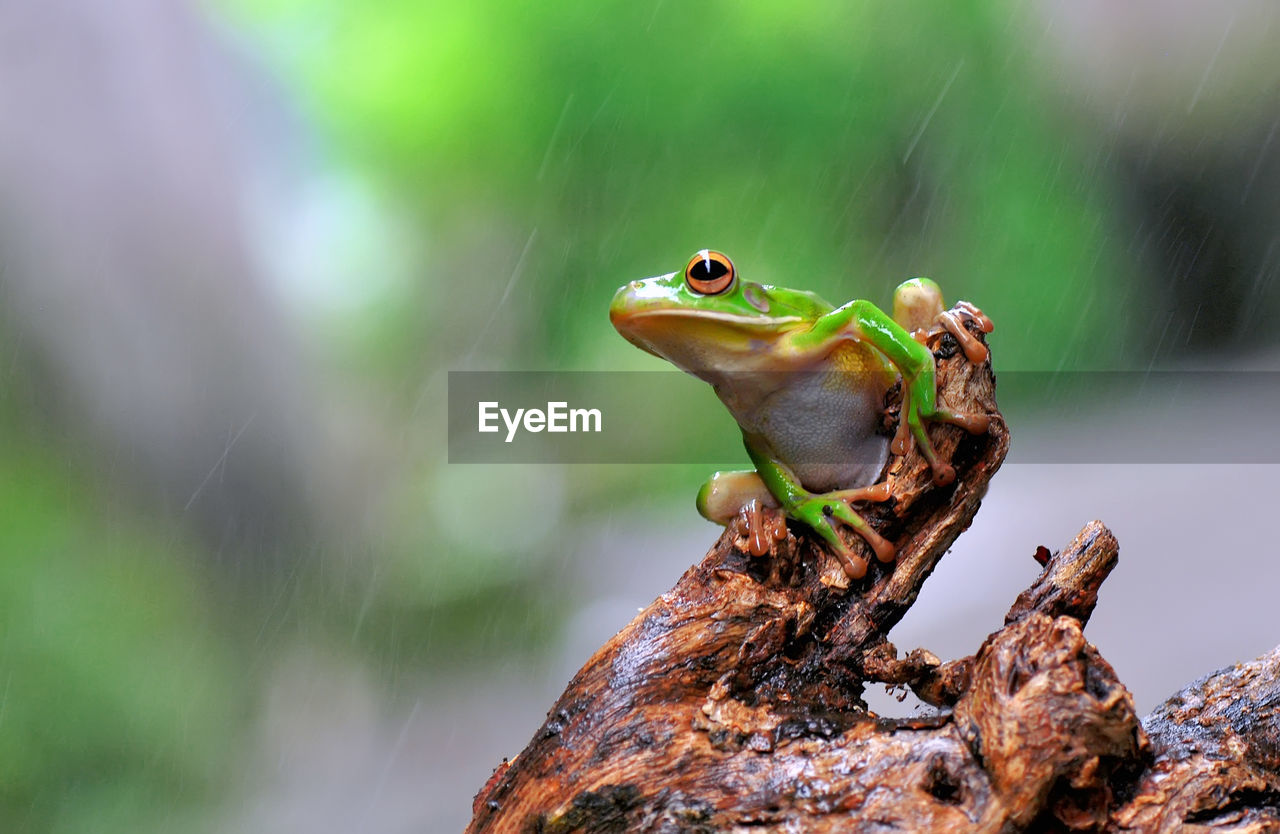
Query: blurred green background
[{"x": 241, "y": 244}]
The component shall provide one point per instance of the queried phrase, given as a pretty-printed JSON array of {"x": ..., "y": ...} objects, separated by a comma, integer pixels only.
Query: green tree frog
[{"x": 805, "y": 382}]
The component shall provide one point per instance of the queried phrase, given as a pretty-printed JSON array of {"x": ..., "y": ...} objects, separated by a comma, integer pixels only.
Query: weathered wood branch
[
  {"x": 735, "y": 699},
  {"x": 1215, "y": 756}
]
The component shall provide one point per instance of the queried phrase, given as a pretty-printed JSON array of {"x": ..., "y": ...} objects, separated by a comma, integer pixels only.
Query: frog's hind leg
[
  {"x": 821, "y": 511},
  {"x": 724, "y": 495},
  {"x": 729, "y": 495}
]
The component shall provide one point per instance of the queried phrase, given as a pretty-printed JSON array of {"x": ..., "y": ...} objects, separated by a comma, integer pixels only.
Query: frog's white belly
[{"x": 821, "y": 426}]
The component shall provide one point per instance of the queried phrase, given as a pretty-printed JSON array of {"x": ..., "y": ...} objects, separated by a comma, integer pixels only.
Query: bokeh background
[{"x": 242, "y": 244}]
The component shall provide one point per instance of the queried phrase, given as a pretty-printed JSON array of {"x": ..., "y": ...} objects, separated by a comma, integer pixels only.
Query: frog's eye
[{"x": 709, "y": 272}]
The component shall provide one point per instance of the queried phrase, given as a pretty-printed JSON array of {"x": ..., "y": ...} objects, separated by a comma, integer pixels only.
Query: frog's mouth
[
  {"x": 670, "y": 326},
  {"x": 698, "y": 339},
  {"x": 741, "y": 319}
]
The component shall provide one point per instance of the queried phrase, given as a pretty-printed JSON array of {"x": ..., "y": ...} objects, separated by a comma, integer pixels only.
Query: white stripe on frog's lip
[{"x": 693, "y": 312}]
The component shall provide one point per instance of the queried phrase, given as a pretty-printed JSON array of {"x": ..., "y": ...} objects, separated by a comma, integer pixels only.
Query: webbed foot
[
  {"x": 821, "y": 511},
  {"x": 953, "y": 321},
  {"x": 764, "y": 524},
  {"x": 744, "y": 498}
]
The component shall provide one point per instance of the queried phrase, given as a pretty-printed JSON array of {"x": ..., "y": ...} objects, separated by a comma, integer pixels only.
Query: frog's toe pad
[
  {"x": 763, "y": 526},
  {"x": 885, "y": 551},
  {"x": 855, "y": 567}
]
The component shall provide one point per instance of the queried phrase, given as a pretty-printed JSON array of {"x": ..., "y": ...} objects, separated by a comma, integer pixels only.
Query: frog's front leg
[{"x": 863, "y": 321}]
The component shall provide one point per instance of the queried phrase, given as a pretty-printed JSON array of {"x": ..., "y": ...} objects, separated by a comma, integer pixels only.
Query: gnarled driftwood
[{"x": 734, "y": 701}]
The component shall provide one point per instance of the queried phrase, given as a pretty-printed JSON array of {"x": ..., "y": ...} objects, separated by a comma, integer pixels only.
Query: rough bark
[
  {"x": 1215, "y": 756},
  {"x": 734, "y": 701}
]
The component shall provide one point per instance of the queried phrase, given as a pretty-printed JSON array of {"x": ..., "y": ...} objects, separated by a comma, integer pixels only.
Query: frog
[{"x": 806, "y": 382}]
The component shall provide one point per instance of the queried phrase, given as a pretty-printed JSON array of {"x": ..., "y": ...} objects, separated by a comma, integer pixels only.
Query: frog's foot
[
  {"x": 953, "y": 321},
  {"x": 742, "y": 498},
  {"x": 911, "y": 425},
  {"x": 821, "y": 512},
  {"x": 764, "y": 525}
]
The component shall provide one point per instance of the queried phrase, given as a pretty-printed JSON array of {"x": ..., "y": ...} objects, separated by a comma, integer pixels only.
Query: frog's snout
[
  {"x": 634, "y": 301},
  {"x": 620, "y": 304},
  {"x": 626, "y": 290},
  {"x": 626, "y": 300}
]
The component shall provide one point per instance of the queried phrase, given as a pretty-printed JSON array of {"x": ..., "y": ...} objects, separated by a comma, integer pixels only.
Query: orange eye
[{"x": 709, "y": 272}]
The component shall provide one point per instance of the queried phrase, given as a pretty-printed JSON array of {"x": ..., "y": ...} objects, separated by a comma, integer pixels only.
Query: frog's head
[{"x": 707, "y": 317}]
